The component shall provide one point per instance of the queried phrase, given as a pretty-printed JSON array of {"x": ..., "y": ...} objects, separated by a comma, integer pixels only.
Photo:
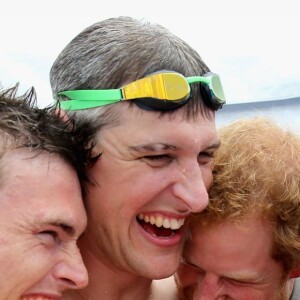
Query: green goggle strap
[
  {"x": 77, "y": 96},
  {"x": 195, "y": 79}
]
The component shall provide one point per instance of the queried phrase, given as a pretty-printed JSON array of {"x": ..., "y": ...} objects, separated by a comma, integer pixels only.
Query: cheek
[
  {"x": 207, "y": 176},
  {"x": 18, "y": 262}
]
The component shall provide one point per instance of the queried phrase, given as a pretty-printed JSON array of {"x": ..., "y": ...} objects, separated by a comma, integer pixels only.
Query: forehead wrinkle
[{"x": 153, "y": 147}]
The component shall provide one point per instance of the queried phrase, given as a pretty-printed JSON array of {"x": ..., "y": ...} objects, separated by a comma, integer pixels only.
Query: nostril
[
  {"x": 75, "y": 284},
  {"x": 69, "y": 283},
  {"x": 71, "y": 275}
]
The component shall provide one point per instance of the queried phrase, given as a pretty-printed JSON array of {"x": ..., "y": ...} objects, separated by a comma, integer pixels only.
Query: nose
[
  {"x": 190, "y": 187},
  {"x": 71, "y": 271}
]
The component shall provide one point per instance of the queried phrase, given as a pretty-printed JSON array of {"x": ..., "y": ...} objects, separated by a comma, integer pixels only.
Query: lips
[{"x": 159, "y": 225}]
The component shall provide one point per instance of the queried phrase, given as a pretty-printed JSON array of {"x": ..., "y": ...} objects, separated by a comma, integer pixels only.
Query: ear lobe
[{"x": 295, "y": 273}]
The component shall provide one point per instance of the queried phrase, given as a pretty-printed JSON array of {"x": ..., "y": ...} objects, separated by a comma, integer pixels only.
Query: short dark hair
[{"x": 23, "y": 124}]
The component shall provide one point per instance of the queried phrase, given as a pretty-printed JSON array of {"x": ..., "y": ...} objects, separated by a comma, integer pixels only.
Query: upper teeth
[{"x": 160, "y": 221}]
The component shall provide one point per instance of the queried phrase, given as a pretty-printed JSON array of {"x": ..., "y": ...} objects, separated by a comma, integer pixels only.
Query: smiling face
[
  {"x": 41, "y": 217},
  {"x": 232, "y": 262},
  {"x": 153, "y": 172}
]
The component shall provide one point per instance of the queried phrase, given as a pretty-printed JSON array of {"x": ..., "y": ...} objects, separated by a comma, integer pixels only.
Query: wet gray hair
[{"x": 120, "y": 50}]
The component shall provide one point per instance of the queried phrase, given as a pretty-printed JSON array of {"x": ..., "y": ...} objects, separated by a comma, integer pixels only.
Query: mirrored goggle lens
[
  {"x": 163, "y": 86},
  {"x": 217, "y": 88},
  {"x": 211, "y": 89}
]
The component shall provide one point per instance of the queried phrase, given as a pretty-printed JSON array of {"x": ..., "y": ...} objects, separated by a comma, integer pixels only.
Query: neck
[{"x": 106, "y": 281}]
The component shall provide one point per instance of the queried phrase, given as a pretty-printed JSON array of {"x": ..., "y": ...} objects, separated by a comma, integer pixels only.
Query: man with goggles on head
[{"x": 153, "y": 154}]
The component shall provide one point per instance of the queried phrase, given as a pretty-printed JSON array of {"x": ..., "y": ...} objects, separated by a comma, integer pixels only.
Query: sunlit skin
[
  {"x": 159, "y": 167},
  {"x": 41, "y": 217},
  {"x": 231, "y": 262}
]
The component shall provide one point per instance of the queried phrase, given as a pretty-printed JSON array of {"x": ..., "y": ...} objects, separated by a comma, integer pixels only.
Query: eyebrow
[
  {"x": 67, "y": 228},
  {"x": 156, "y": 147},
  {"x": 215, "y": 145},
  {"x": 153, "y": 147},
  {"x": 247, "y": 276}
]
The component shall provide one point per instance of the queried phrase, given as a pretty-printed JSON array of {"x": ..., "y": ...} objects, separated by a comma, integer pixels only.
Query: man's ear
[
  {"x": 62, "y": 114},
  {"x": 295, "y": 273}
]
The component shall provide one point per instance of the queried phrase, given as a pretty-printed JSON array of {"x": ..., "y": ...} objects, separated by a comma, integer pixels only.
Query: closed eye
[
  {"x": 52, "y": 233},
  {"x": 237, "y": 282},
  {"x": 49, "y": 237},
  {"x": 205, "y": 157},
  {"x": 157, "y": 160},
  {"x": 157, "y": 157}
]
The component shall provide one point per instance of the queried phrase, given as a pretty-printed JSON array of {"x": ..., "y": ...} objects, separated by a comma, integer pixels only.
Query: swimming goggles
[{"x": 159, "y": 91}]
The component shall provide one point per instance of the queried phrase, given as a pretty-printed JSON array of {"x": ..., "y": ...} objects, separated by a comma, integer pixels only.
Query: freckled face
[
  {"x": 231, "y": 261},
  {"x": 41, "y": 218},
  {"x": 153, "y": 172}
]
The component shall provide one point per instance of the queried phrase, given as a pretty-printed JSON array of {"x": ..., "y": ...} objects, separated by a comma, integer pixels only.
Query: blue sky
[{"x": 253, "y": 45}]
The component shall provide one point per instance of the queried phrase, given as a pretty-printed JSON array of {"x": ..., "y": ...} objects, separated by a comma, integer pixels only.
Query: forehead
[
  {"x": 141, "y": 125},
  {"x": 232, "y": 245},
  {"x": 39, "y": 186}
]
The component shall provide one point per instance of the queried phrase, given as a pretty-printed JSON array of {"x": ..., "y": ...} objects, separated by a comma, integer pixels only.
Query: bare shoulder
[{"x": 164, "y": 289}]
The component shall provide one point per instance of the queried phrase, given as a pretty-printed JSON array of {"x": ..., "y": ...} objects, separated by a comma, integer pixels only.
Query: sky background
[{"x": 253, "y": 45}]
